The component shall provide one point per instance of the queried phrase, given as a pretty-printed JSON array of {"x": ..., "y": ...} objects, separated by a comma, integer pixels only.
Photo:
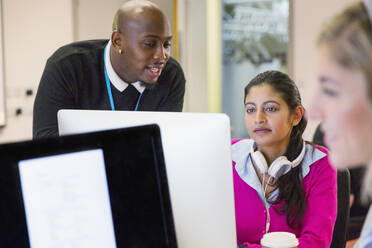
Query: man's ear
[
  {"x": 298, "y": 114},
  {"x": 117, "y": 40}
]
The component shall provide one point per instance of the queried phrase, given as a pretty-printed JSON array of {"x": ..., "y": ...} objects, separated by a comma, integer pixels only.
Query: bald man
[{"x": 131, "y": 71}]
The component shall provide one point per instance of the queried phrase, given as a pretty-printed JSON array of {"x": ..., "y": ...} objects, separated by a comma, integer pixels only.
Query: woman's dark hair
[{"x": 291, "y": 190}]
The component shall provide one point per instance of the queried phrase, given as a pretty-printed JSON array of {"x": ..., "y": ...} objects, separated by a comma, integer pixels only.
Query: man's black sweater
[{"x": 74, "y": 78}]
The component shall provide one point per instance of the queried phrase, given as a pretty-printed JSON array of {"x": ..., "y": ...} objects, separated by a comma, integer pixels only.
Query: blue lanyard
[{"x": 109, "y": 86}]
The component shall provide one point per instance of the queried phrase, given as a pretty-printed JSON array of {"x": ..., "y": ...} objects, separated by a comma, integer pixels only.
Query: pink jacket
[{"x": 320, "y": 184}]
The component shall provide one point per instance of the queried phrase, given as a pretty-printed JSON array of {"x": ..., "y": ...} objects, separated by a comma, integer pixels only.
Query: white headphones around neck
[{"x": 279, "y": 166}]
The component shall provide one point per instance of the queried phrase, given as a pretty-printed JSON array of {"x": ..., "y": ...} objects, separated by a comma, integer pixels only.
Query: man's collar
[{"x": 118, "y": 83}]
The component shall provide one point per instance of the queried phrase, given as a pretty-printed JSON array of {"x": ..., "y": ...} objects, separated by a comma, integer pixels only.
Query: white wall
[
  {"x": 93, "y": 18},
  {"x": 308, "y": 18},
  {"x": 32, "y": 30},
  {"x": 195, "y": 60}
]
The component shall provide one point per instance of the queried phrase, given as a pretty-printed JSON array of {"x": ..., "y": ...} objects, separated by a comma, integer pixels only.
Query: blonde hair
[{"x": 349, "y": 36}]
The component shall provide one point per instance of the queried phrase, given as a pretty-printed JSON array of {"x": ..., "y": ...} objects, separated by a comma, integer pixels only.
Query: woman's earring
[{"x": 120, "y": 51}]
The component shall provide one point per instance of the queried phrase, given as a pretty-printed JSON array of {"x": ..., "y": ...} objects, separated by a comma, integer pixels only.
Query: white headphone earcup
[
  {"x": 279, "y": 167},
  {"x": 300, "y": 157},
  {"x": 259, "y": 161}
]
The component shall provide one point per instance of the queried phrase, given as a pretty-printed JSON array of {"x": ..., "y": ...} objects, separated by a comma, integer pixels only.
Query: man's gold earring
[{"x": 120, "y": 51}]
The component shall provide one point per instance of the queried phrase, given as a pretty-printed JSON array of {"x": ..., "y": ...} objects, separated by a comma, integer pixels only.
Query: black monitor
[{"x": 52, "y": 189}]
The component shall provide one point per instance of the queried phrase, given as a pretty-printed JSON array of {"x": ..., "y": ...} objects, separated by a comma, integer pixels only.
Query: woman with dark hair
[
  {"x": 343, "y": 101},
  {"x": 281, "y": 182}
]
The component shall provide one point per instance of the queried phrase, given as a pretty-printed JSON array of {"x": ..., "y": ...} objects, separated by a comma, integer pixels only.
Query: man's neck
[
  {"x": 114, "y": 60},
  {"x": 272, "y": 152}
]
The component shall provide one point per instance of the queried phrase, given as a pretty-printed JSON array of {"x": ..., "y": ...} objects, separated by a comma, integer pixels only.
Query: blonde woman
[{"x": 344, "y": 98}]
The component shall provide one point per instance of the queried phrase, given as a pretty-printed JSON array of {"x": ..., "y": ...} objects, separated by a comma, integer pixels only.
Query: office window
[{"x": 255, "y": 38}]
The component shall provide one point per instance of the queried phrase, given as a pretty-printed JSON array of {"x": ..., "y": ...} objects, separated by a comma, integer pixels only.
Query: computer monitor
[
  {"x": 198, "y": 159},
  {"x": 102, "y": 189}
]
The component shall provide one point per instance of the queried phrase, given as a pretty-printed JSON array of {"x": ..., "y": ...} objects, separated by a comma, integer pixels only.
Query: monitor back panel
[
  {"x": 59, "y": 192},
  {"x": 198, "y": 159}
]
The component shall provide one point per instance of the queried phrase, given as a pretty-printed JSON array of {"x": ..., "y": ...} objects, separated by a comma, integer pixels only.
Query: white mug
[{"x": 279, "y": 240}]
